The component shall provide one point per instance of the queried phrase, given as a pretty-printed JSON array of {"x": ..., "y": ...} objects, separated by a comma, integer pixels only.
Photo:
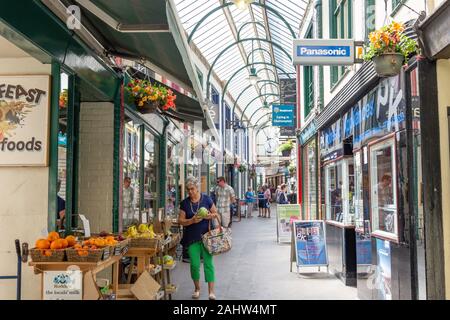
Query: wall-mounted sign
[
  {"x": 24, "y": 113},
  {"x": 324, "y": 52},
  {"x": 308, "y": 132},
  {"x": 283, "y": 115},
  {"x": 63, "y": 285}
]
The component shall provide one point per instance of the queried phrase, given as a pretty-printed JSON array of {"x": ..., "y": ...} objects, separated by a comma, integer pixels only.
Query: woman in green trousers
[{"x": 194, "y": 228}]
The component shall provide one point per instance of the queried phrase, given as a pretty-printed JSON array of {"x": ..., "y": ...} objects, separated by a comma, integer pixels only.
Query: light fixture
[
  {"x": 242, "y": 4},
  {"x": 265, "y": 105},
  {"x": 253, "y": 78}
]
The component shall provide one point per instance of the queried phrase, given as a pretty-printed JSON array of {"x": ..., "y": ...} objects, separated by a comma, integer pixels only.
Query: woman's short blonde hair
[{"x": 191, "y": 181}]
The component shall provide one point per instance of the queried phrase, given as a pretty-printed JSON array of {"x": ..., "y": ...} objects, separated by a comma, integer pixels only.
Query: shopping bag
[{"x": 218, "y": 240}]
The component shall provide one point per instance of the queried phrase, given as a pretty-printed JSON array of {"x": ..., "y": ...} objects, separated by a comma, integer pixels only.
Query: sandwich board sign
[
  {"x": 286, "y": 215},
  {"x": 310, "y": 243},
  {"x": 324, "y": 52}
]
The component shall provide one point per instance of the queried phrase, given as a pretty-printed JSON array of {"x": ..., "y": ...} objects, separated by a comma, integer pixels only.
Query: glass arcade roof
[{"x": 234, "y": 39}]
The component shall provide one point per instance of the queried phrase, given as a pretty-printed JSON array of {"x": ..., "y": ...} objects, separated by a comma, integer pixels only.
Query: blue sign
[
  {"x": 283, "y": 115},
  {"x": 323, "y": 51},
  {"x": 363, "y": 251},
  {"x": 310, "y": 243},
  {"x": 383, "y": 273}
]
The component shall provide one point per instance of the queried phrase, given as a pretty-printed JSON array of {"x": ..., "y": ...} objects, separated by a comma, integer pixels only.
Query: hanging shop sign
[
  {"x": 286, "y": 215},
  {"x": 63, "y": 285},
  {"x": 324, "y": 52},
  {"x": 288, "y": 95},
  {"x": 24, "y": 120},
  {"x": 308, "y": 132},
  {"x": 283, "y": 115},
  {"x": 310, "y": 243}
]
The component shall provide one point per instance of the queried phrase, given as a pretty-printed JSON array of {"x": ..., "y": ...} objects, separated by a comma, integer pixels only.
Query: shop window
[
  {"x": 383, "y": 189},
  {"x": 341, "y": 27},
  {"x": 151, "y": 151},
  {"x": 357, "y": 204},
  {"x": 396, "y": 4},
  {"x": 340, "y": 190},
  {"x": 369, "y": 13},
  {"x": 131, "y": 174},
  {"x": 333, "y": 195},
  {"x": 308, "y": 79},
  {"x": 310, "y": 182},
  {"x": 62, "y": 183}
]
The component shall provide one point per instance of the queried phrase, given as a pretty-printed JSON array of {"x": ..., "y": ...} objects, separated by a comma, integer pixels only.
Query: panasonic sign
[{"x": 324, "y": 52}]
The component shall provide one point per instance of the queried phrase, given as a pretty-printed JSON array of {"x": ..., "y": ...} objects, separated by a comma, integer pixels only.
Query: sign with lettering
[
  {"x": 24, "y": 120},
  {"x": 283, "y": 115},
  {"x": 324, "y": 52},
  {"x": 288, "y": 95},
  {"x": 310, "y": 243},
  {"x": 63, "y": 285}
]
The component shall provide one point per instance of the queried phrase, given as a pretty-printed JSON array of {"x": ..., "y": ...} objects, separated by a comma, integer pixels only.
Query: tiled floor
[{"x": 257, "y": 268}]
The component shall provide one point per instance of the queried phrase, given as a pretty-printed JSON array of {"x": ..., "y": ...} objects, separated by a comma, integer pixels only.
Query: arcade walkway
[{"x": 257, "y": 268}]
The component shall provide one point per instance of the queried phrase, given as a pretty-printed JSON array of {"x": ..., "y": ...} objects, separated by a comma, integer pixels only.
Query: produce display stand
[
  {"x": 94, "y": 267},
  {"x": 143, "y": 256}
]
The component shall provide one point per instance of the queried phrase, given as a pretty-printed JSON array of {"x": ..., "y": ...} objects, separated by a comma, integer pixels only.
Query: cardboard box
[
  {"x": 90, "y": 289},
  {"x": 145, "y": 288}
]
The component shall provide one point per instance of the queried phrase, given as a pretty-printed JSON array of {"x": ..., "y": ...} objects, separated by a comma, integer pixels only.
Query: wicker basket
[
  {"x": 95, "y": 255},
  {"x": 37, "y": 255},
  {"x": 144, "y": 243}
]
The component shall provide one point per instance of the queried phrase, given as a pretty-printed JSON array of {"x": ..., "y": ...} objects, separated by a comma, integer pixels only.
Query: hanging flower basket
[
  {"x": 149, "y": 97},
  {"x": 286, "y": 148},
  {"x": 388, "y": 64},
  {"x": 148, "y": 107},
  {"x": 286, "y": 153},
  {"x": 389, "y": 48}
]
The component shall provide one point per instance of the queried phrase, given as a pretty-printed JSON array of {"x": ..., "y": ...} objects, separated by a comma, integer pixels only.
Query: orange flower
[
  {"x": 397, "y": 26},
  {"x": 374, "y": 36}
]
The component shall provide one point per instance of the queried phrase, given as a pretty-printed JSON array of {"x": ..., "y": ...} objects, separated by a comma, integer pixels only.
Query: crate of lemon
[{"x": 143, "y": 236}]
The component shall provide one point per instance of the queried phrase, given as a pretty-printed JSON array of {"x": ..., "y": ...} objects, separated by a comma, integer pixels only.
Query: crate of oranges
[
  {"x": 91, "y": 250},
  {"x": 52, "y": 248}
]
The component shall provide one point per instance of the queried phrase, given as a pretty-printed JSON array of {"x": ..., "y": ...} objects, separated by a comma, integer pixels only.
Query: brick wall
[{"x": 95, "y": 197}]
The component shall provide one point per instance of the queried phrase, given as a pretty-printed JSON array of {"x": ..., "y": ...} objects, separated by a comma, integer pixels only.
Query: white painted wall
[
  {"x": 443, "y": 79},
  {"x": 23, "y": 202}
]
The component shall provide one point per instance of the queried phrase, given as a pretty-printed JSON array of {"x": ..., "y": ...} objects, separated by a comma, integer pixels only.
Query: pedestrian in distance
[
  {"x": 249, "y": 200},
  {"x": 225, "y": 196},
  {"x": 194, "y": 228},
  {"x": 267, "y": 198},
  {"x": 282, "y": 197},
  {"x": 261, "y": 201}
]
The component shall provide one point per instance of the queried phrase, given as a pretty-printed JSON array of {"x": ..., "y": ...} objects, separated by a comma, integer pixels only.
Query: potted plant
[
  {"x": 242, "y": 168},
  {"x": 286, "y": 148},
  {"x": 292, "y": 168},
  {"x": 149, "y": 97},
  {"x": 389, "y": 48}
]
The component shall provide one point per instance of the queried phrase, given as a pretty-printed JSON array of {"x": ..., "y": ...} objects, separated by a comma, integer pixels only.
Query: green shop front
[{"x": 94, "y": 137}]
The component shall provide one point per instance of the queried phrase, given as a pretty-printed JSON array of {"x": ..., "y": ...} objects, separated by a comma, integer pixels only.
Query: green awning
[{"x": 157, "y": 47}]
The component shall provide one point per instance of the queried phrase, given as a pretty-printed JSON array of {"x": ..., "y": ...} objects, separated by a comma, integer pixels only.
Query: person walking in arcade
[{"x": 194, "y": 228}]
